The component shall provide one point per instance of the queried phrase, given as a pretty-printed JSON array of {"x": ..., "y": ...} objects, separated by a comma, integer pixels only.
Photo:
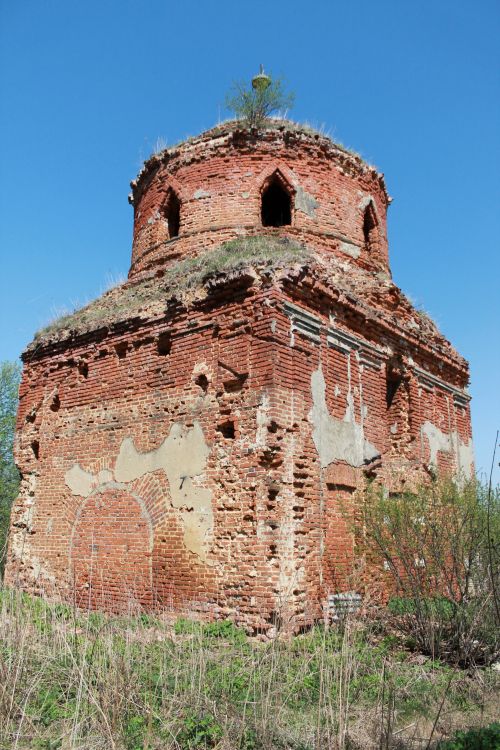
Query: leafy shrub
[
  {"x": 199, "y": 731},
  {"x": 9, "y": 476},
  {"x": 438, "y": 546},
  {"x": 224, "y": 629},
  {"x": 485, "y": 738},
  {"x": 183, "y": 626},
  {"x": 255, "y": 105}
]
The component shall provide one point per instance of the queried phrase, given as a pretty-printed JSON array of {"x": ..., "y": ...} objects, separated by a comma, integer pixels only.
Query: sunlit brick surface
[{"x": 207, "y": 455}]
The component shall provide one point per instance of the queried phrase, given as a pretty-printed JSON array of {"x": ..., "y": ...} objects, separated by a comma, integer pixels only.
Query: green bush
[
  {"x": 224, "y": 629},
  {"x": 439, "y": 545},
  {"x": 199, "y": 731},
  {"x": 255, "y": 105},
  {"x": 9, "y": 476},
  {"x": 485, "y": 738}
]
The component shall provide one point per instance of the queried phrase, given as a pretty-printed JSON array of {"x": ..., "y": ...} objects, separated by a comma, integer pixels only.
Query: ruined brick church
[{"x": 189, "y": 440}]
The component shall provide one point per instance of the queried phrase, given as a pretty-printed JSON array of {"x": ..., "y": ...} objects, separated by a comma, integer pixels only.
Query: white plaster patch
[
  {"x": 351, "y": 249},
  {"x": 449, "y": 443},
  {"x": 305, "y": 202},
  {"x": 104, "y": 477},
  {"x": 182, "y": 456},
  {"x": 200, "y": 193},
  {"x": 465, "y": 456},
  {"x": 262, "y": 421},
  {"x": 335, "y": 439},
  {"x": 79, "y": 481}
]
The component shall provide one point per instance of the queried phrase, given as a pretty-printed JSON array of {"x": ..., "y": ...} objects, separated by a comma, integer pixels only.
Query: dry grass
[
  {"x": 70, "y": 679},
  {"x": 152, "y": 295},
  {"x": 270, "y": 123}
]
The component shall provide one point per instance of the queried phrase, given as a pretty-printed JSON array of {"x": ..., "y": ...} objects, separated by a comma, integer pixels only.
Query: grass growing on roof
[
  {"x": 233, "y": 256},
  {"x": 150, "y": 296}
]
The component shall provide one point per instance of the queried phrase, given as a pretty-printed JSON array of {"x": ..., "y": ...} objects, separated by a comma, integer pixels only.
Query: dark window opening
[
  {"x": 121, "y": 349},
  {"x": 370, "y": 228},
  {"x": 164, "y": 344},
  {"x": 227, "y": 430},
  {"x": 173, "y": 215},
  {"x": 393, "y": 381},
  {"x": 35, "y": 447},
  {"x": 272, "y": 494},
  {"x": 276, "y": 206},
  {"x": 202, "y": 381},
  {"x": 56, "y": 403}
]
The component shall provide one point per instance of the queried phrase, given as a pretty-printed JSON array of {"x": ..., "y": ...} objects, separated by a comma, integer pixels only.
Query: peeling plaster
[
  {"x": 79, "y": 481},
  {"x": 350, "y": 249},
  {"x": 335, "y": 439},
  {"x": 200, "y": 193},
  {"x": 183, "y": 457},
  {"x": 305, "y": 202},
  {"x": 449, "y": 443},
  {"x": 262, "y": 421}
]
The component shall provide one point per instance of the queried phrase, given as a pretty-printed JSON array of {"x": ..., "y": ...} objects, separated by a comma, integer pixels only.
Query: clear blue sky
[{"x": 88, "y": 87}]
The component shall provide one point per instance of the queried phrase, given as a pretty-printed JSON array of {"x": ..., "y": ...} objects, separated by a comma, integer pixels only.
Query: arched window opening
[
  {"x": 370, "y": 228},
  {"x": 173, "y": 215},
  {"x": 276, "y": 210}
]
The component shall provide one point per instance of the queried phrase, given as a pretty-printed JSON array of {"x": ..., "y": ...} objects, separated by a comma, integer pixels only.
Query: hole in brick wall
[
  {"x": 173, "y": 214},
  {"x": 233, "y": 386},
  {"x": 276, "y": 205},
  {"x": 227, "y": 429},
  {"x": 31, "y": 416},
  {"x": 273, "y": 550},
  {"x": 202, "y": 381},
  {"x": 143, "y": 342},
  {"x": 370, "y": 228},
  {"x": 83, "y": 369},
  {"x": 121, "y": 349},
  {"x": 56, "y": 403},
  {"x": 273, "y": 426},
  {"x": 392, "y": 383},
  {"x": 272, "y": 494},
  {"x": 334, "y": 487},
  {"x": 35, "y": 447},
  {"x": 164, "y": 343}
]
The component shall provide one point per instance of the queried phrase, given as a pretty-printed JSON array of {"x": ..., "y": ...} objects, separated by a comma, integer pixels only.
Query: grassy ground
[{"x": 84, "y": 680}]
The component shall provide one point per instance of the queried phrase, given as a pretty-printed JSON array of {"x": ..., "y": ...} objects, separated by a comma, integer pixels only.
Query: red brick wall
[
  {"x": 110, "y": 552},
  {"x": 279, "y": 541},
  {"x": 193, "y": 461},
  {"x": 219, "y": 180}
]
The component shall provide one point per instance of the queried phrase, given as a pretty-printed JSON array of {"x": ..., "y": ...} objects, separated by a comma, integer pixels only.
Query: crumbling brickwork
[{"x": 196, "y": 438}]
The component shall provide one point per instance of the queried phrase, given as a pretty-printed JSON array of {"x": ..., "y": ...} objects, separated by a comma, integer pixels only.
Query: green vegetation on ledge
[{"x": 149, "y": 297}]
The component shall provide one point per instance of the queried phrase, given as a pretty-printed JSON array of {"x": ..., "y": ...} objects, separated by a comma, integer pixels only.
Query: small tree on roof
[{"x": 266, "y": 97}]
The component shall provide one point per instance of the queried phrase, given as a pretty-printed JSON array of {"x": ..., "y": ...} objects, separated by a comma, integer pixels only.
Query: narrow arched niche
[
  {"x": 370, "y": 229},
  {"x": 276, "y": 206},
  {"x": 172, "y": 213}
]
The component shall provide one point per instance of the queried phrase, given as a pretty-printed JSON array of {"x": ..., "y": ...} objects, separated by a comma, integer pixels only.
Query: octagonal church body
[{"x": 193, "y": 438}]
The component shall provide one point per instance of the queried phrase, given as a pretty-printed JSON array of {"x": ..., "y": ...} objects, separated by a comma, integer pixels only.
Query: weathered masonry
[{"x": 191, "y": 439}]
